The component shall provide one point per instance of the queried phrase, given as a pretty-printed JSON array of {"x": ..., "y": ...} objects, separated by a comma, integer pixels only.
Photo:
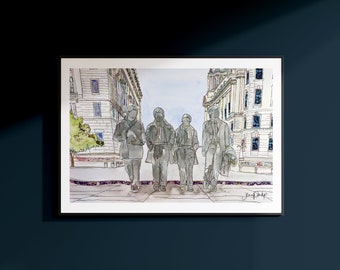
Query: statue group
[{"x": 167, "y": 145}]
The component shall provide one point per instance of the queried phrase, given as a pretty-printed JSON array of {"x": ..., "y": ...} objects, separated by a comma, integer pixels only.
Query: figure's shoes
[
  {"x": 156, "y": 187},
  {"x": 134, "y": 188},
  {"x": 182, "y": 189},
  {"x": 213, "y": 188},
  {"x": 190, "y": 189},
  {"x": 205, "y": 184},
  {"x": 163, "y": 188}
]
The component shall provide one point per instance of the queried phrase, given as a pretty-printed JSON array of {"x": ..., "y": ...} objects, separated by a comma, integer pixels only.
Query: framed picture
[{"x": 171, "y": 136}]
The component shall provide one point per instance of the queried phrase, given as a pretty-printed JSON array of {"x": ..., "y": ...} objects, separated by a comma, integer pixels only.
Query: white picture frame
[{"x": 253, "y": 187}]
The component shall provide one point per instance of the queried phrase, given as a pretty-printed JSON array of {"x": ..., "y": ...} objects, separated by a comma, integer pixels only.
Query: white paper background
[{"x": 173, "y": 63}]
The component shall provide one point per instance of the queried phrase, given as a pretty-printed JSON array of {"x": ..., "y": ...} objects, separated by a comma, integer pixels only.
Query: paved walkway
[
  {"x": 88, "y": 184},
  {"x": 122, "y": 193},
  {"x": 112, "y": 185}
]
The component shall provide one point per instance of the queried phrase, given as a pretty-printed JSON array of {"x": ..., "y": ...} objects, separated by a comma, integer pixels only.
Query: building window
[
  {"x": 73, "y": 109},
  {"x": 71, "y": 85},
  {"x": 255, "y": 143},
  {"x": 246, "y": 100},
  {"x": 228, "y": 108},
  {"x": 271, "y": 120},
  {"x": 232, "y": 126},
  {"x": 123, "y": 96},
  {"x": 130, "y": 100},
  {"x": 247, "y": 78},
  {"x": 97, "y": 109},
  {"x": 225, "y": 113},
  {"x": 256, "y": 121},
  {"x": 94, "y": 86},
  {"x": 245, "y": 123},
  {"x": 99, "y": 135},
  {"x": 259, "y": 73},
  {"x": 258, "y": 96},
  {"x": 270, "y": 144}
]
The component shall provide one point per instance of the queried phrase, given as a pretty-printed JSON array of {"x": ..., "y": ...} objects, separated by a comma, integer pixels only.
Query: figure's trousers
[
  {"x": 132, "y": 167},
  {"x": 212, "y": 161},
  {"x": 185, "y": 163},
  {"x": 160, "y": 169}
]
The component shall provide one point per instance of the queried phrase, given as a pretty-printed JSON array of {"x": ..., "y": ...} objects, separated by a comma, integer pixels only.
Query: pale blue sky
[{"x": 177, "y": 91}]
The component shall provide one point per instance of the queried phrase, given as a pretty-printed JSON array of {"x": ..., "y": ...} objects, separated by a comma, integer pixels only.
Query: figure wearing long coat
[
  {"x": 185, "y": 147},
  {"x": 159, "y": 140},
  {"x": 215, "y": 141},
  {"x": 130, "y": 148},
  {"x": 131, "y": 134}
]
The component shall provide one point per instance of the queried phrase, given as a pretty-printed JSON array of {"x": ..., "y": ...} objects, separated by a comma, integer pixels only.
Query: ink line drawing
[
  {"x": 213, "y": 146},
  {"x": 186, "y": 145},
  {"x": 216, "y": 139},
  {"x": 131, "y": 134},
  {"x": 160, "y": 140}
]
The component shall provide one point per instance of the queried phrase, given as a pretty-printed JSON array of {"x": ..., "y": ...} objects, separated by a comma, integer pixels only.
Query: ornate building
[
  {"x": 100, "y": 96},
  {"x": 244, "y": 97}
]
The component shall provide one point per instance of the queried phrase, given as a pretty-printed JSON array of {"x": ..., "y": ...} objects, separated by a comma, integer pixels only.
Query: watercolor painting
[{"x": 171, "y": 135}]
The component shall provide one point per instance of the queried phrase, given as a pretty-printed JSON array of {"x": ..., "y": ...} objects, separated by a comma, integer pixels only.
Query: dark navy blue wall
[{"x": 307, "y": 235}]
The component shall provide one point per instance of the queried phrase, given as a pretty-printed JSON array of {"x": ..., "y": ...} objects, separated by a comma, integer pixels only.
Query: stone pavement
[
  {"x": 112, "y": 185},
  {"x": 99, "y": 184},
  {"x": 122, "y": 193}
]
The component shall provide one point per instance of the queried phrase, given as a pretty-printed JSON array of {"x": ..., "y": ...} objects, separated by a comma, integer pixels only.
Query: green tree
[{"x": 81, "y": 138}]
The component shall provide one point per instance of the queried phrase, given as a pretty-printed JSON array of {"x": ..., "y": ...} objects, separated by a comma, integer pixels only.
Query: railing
[{"x": 256, "y": 165}]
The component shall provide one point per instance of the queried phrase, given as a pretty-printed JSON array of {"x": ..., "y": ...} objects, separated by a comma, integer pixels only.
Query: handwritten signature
[{"x": 255, "y": 194}]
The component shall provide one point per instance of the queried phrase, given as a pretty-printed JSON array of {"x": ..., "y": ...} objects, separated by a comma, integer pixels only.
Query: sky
[{"x": 177, "y": 91}]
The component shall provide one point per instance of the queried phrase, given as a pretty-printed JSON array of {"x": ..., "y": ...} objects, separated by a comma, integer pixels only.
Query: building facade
[
  {"x": 100, "y": 97},
  {"x": 244, "y": 97}
]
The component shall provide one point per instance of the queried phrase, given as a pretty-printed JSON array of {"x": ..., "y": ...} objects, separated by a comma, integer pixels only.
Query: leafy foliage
[{"x": 81, "y": 138}]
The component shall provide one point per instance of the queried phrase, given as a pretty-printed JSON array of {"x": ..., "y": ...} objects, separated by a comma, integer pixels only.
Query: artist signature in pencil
[{"x": 255, "y": 194}]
